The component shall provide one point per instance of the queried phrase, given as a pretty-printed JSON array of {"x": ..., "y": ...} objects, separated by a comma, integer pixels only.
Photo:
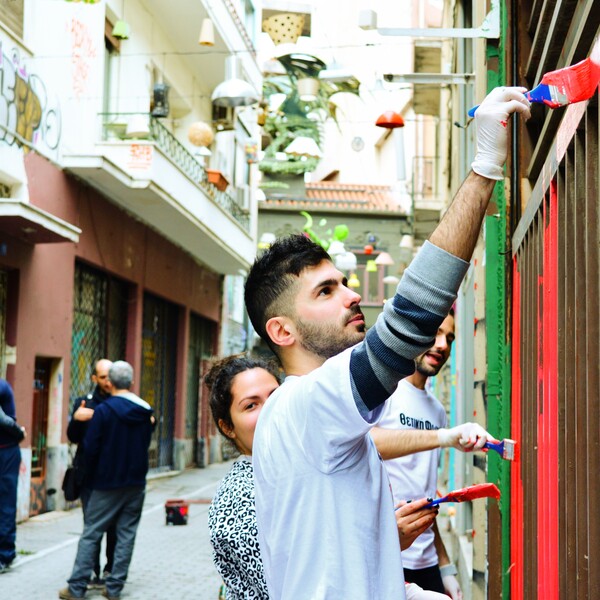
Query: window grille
[{"x": 99, "y": 325}]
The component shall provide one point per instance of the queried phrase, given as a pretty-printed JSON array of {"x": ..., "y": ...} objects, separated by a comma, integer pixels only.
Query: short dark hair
[
  {"x": 273, "y": 273},
  {"x": 220, "y": 379}
]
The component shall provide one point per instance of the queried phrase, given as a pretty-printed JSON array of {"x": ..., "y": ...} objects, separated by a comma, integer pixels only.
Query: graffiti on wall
[
  {"x": 83, "y": 51},
  {"x": 25, "y": 106}
]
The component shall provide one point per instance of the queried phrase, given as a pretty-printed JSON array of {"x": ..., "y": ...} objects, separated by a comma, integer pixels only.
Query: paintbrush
[
  {"x": 564, "y": 86},
  {"x": 507, "y": 449},
  {"x": 471, "y": 492}
]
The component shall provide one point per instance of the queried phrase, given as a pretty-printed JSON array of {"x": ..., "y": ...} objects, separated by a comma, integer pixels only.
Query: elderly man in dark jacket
[
  {"x": 116, "y": 452},
  {"x": 10, "y": 459}
]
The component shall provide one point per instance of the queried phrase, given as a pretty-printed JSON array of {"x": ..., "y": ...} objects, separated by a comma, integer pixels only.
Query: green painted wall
[{"x": 497, "y": 289}]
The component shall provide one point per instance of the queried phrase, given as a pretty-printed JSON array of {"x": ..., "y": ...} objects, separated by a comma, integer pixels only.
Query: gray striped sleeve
[{"x": 407, "y": 326}]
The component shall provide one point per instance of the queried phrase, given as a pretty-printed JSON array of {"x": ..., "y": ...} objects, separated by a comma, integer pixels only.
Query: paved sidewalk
[{"x": 168, "y": 562}]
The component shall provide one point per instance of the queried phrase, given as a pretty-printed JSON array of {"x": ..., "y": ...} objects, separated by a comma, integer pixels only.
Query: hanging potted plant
[{"x": 217, "y": 179}]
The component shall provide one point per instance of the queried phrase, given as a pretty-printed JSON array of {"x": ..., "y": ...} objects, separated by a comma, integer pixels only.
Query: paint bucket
[{"x": 176, "y": 512}]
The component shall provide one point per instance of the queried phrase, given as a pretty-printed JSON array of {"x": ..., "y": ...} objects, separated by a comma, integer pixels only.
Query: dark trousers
[
  {"x": 428, "y": 578},
  {"x": 123, "y": 509},
  {"x": 111, "y": 538},
  {"x": 10, "y": 459}
]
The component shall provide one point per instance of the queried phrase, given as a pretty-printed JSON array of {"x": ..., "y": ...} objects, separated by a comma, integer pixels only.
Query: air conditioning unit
[{"x": 243, "y": 195}]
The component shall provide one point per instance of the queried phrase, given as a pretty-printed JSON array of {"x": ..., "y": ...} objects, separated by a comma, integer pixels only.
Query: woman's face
[{"x": 249, "y": 391}]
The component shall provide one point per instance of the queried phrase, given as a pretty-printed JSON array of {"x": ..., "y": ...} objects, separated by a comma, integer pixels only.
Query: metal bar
[
  {"x": 489, "y": 29},
  {"x": 433, "y": 78}
]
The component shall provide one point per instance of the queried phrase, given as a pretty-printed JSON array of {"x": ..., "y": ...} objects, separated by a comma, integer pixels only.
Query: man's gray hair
[{"x": 121, "y": 375}]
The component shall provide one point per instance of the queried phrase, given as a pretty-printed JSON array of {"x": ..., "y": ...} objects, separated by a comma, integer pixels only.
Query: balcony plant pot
[{"x": 217, "y": 179}]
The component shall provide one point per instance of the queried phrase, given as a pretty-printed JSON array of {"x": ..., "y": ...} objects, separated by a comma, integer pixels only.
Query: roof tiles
[{"x": 335, "y": 196}]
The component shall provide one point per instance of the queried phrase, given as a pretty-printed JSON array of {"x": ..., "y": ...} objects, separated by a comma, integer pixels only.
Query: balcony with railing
[
  {"x": 114, "y": 127},
  {"x": 139, "y": 164}
]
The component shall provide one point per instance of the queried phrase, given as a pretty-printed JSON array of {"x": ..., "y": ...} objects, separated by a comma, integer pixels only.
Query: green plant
[
  {"x": 338, "y": 234},
  {"x": 291, "y": 120}
]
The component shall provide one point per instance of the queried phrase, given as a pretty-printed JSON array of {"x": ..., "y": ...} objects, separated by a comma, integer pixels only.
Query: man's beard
[
  {"x": 427, "y": 369},
  {"x": 327, "y": 339}
]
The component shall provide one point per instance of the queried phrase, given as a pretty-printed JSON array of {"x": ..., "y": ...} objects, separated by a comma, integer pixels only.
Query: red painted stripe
[
  {"x": 548, "y": 576},
  {"x": 516, "y": 482}
]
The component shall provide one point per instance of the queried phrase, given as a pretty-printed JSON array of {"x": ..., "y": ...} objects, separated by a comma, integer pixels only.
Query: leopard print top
[{"x": 233, "y": 534}]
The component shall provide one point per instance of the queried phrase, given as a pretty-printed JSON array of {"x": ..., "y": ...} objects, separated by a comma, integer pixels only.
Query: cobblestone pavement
[{"x": 168, "y": 561}]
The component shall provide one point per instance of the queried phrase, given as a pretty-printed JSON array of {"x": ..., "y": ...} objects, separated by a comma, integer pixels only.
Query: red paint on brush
[
  {"x": 577, "y": 82},
  {"x": 472, "y": 492}
]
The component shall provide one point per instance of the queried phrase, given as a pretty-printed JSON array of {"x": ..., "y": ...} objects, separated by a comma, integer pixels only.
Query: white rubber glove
[
  {"x": 452, "y": 587},
  {"x": 491, "y": 120},
  {"x": 465, "y": 437}
]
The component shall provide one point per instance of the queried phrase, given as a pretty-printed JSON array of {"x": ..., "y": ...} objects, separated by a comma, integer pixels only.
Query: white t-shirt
[
  {"x": 324, "y": 508},
  {"x": 414, "y": 476}
]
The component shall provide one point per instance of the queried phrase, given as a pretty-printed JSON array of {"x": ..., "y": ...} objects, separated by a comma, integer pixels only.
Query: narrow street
[{"x": 168, "y": 561}]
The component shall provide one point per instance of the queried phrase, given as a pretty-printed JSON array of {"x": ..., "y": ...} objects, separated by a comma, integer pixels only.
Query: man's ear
[{"x": 281, "y": 331}]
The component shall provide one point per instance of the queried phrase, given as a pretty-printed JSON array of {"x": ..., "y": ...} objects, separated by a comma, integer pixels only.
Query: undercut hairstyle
[
  {"x": 120, "y": 375},
  {"x": 270, "y": 285},
  {"x": 219, "y": 381}
]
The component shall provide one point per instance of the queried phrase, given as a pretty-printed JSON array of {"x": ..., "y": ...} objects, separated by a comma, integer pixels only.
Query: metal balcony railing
[{"x": 114, "y": 127}]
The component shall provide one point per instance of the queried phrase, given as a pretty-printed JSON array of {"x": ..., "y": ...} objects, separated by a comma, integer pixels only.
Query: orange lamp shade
[{"x": 390, "y": 120}]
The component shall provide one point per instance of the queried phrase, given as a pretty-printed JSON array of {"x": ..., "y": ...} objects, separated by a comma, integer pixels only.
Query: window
[
  {"x": 111, "y": 53},
  {"x": 11, "y": 15},
  {"x": 371, "y": 277}
]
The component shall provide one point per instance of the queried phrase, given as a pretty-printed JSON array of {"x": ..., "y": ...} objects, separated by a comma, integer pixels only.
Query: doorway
[{"x": 39, "y": 434}]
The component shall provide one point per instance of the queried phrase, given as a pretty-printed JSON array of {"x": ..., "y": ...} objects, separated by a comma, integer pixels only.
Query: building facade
[{"x": 114, "y": 242}]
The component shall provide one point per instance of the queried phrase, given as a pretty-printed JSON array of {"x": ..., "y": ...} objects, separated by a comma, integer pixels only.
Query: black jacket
[
  {"x": 10, "y": 433},
  {"x": 76, "y": 430}
]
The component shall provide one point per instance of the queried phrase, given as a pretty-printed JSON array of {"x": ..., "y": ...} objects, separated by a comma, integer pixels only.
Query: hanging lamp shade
[
  {"x": 371, "y": 266},
  {"x": 407, "y": 241},
  {"x": 345, "y": 261},
  {"x": 121, "y": 30},
  {"x": 284, "y": 28},
  {"x": 304, "y": 146},
  {"x": 353, "y": 281},
  {"x": 308, "y": 89},
  {"x": 384, "y": 259},
  {"x": 390, "y": 120},
  {"x": 207, "y": 33},
  {"x": 391, "y": 280},
  {"x": 234, "y": 91},
  {"x": 201, "y": 134}
]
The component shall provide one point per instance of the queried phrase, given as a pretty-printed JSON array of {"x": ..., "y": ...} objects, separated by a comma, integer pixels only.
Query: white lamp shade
[
  {"x": 234, "y": 91},
  {"x": 260, "y": 196},
  {"x": 335, "y": 248},
  {"x": 345, "y": 261},
  {"x": 304, "y": 146},
  {"x": 207, "y": 33},
  {"x": 137, "y": 127},
  {"x": 406, "y": 242},
  {"x": 391, "y": 280},
  {"x": 266, "y": 239},
  {"x": 308, "y": 89},
  {"x": 384, "y": 259}
]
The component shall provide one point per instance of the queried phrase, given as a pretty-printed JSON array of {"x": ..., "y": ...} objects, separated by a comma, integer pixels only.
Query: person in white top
[
  {"x": 324, "y": 509},
  {"x": 414, "y": 409}
]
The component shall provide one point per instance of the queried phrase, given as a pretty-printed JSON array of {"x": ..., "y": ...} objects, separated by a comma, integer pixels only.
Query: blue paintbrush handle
[
  {"x": 540, "y": 93},
  {"x": 471, "y": 112},
  {"x": 498, "y": 447}
]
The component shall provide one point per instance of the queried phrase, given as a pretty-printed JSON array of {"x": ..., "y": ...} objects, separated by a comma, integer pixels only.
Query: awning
[{"x": 31, "y": 224}]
